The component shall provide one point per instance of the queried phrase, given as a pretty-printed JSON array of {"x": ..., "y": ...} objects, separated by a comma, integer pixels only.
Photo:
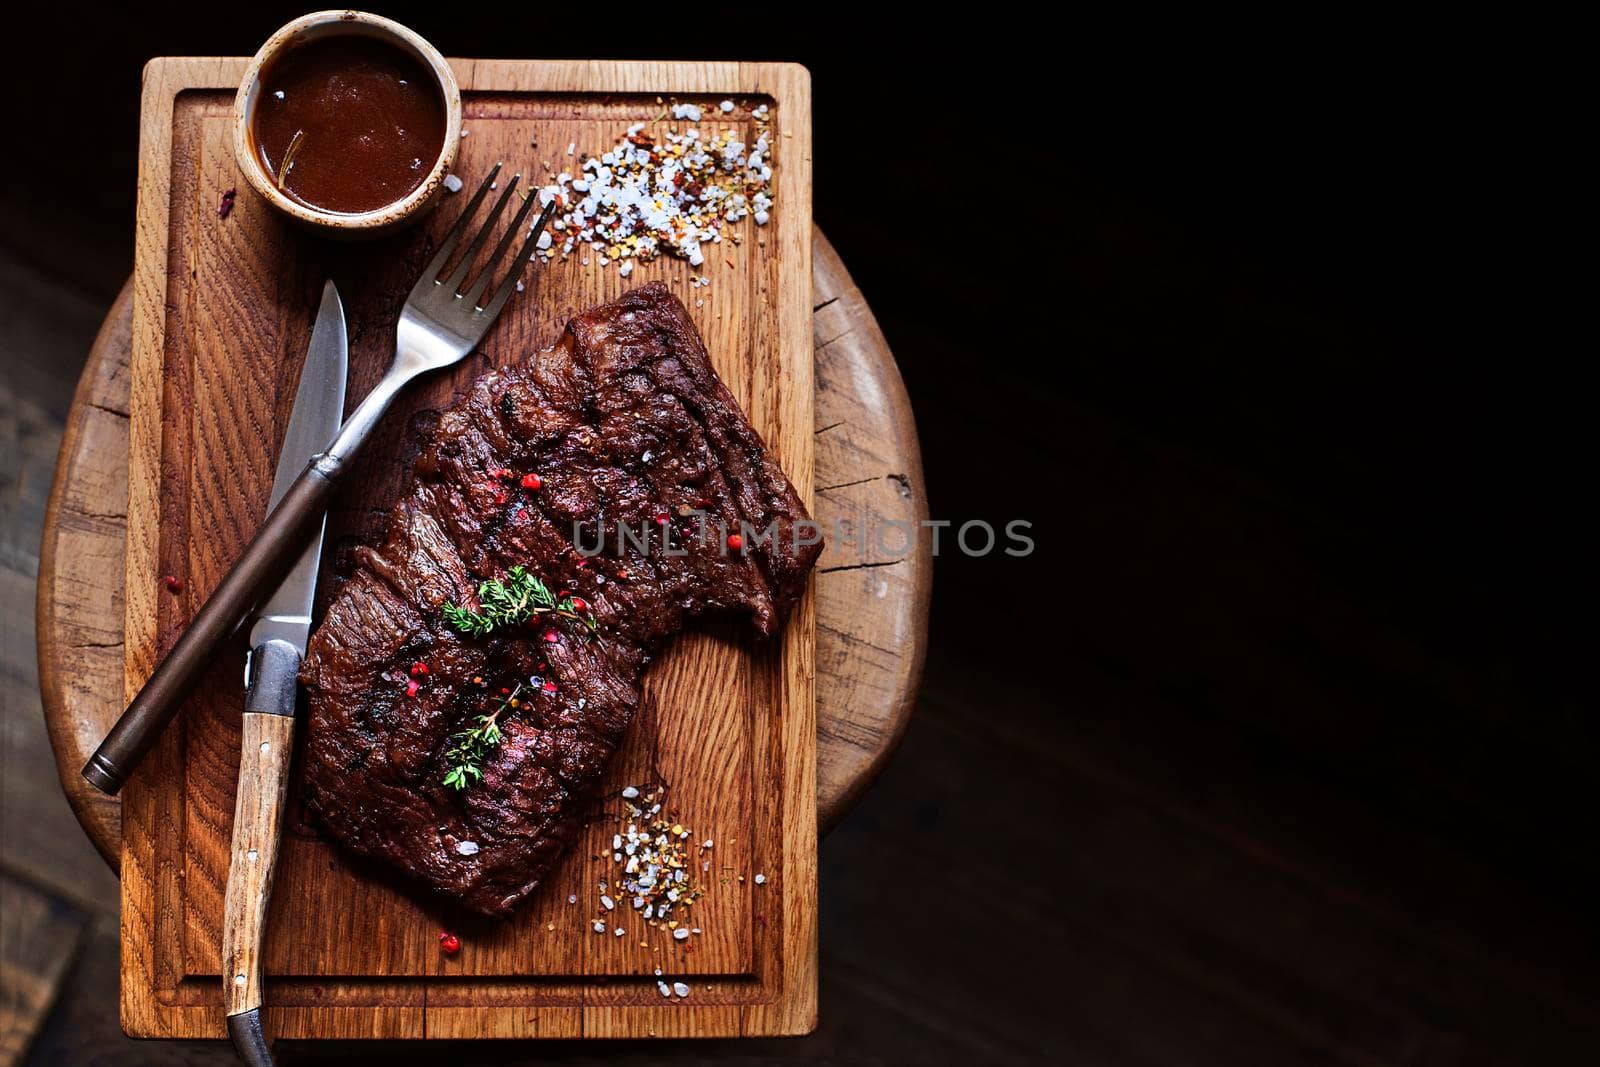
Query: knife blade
[
  {"x": 297, "y": 511},
  {"x": 315, "y": 418},
  {"x": 278, "y": 635}
]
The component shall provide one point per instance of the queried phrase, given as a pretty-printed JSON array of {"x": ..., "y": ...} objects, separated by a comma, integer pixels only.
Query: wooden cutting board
[{"x": 222, "y": 315}]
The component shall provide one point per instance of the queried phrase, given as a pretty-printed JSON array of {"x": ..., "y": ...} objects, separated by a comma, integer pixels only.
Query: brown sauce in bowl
[{"x": 348, "y": 124}]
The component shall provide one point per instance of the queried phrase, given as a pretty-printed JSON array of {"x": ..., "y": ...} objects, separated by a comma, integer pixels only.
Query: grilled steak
[{"x": 623, "y": 423}]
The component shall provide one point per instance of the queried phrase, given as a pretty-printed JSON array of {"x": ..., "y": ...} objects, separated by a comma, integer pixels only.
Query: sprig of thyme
[
  {"x": 472, "y": 746},
  {"x": 511, "y": 602}
]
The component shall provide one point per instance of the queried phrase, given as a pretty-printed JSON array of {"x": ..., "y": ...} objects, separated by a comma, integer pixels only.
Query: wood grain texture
[
  {"x": 737, "y": 750},
  {"x": 875, "y": 579},
  {"x": 80, "y": 606},
  {"x": 870, "y": 635},
  {"x": 266, "y": 743}
]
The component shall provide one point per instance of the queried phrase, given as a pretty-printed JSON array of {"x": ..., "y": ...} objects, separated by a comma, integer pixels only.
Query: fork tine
[
  {"x": 459, "y": 275},
  {"x": 517, "y": 265},
  {"x": 515, "y": 228},
  {"x": 452, "y": 238}
]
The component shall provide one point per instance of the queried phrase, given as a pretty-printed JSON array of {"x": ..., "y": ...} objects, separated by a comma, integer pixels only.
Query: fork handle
[{"x": 263, "y": 564}]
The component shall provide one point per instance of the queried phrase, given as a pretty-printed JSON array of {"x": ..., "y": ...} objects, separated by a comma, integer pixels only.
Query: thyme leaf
[
  {"x": 470, "y": 748},
  {"x": 510, "y": 602}
]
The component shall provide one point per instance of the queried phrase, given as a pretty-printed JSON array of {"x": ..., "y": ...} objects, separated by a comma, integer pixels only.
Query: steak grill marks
[{"x": 624, "y": 421}]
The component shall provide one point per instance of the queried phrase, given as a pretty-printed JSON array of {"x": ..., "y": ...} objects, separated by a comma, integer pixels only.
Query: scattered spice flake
[
  {"x": 173, "y": 583},
  {"x": 449, "y": 943},
  {"x": 225, "y": 208},
  {"x": 654, "y": 851},
  {"x": 654, "y": 193}
]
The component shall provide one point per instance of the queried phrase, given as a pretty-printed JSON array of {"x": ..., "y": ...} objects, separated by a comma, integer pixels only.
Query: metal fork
[{"x": 439, "y": 325}]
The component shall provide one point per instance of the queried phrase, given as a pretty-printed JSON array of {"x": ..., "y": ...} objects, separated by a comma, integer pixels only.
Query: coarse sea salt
[
  {"x": 466, "y": 848},
  {"x": 452, "y": 183},
  {"x": 661, "y": 191}
]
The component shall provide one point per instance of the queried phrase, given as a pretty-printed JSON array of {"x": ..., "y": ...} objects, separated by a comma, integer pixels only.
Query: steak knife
[{"x": 281, "y": 627}]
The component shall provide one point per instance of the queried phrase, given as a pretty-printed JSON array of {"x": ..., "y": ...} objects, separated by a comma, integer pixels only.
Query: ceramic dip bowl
[{"x": 344, "y": 212}]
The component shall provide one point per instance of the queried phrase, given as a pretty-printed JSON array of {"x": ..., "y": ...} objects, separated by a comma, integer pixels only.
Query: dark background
[{"x": 1278, "y": 749}]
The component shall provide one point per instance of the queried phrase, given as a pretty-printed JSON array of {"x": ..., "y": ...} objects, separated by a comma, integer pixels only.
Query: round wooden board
[{"x": 872, "y": 603}]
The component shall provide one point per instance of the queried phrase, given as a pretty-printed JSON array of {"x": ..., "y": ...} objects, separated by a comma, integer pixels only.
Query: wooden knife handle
[
  {"x": 262, "y": 565},
  {"x": 257, "y": 818},
  {"x": 266, "y": 748}
]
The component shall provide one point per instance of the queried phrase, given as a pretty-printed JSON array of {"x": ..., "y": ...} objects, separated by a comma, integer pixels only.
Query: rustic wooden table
[{"x": 872, "y": 607}]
